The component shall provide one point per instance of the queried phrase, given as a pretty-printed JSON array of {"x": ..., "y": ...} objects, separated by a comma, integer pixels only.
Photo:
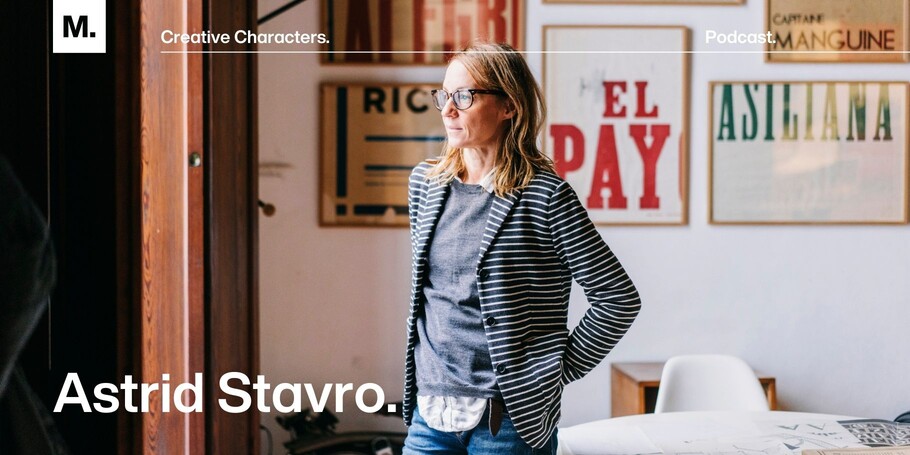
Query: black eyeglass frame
[{"x": 472, "y": 91}]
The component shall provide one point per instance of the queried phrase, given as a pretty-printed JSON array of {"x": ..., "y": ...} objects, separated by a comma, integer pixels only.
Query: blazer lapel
[{"x": 500, "y": 210}]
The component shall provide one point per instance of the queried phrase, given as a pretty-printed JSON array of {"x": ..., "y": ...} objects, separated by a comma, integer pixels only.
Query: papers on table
[
  {"x": 743, "y": 435},
  {"x": 877, "y": 433},
  {"x": 870, "y": 451},
  {"x": 734, "y": 433}
]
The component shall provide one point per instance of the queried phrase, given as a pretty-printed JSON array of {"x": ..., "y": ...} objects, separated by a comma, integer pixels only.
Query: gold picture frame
[
  {"x": 838, "y": 31},
  {"x": 618, "y": 119},
  {"x": 371, "y": 136},
  {"x": 808, "y": 152},
  {"x": 412, "y": 32}
]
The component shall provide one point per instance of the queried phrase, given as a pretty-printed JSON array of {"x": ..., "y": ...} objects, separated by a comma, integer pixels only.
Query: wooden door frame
[
  {"x": 99, "y": 111},
  {"x": 232, "y": 229},
  {"x": 222, "y": 307}
]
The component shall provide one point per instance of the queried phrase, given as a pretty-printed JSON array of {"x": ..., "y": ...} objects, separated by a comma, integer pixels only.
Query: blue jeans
[{"x": 477, "y": 441}]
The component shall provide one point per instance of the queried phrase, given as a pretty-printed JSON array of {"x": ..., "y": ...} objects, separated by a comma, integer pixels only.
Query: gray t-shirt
[{"x": 452, "y": 355}]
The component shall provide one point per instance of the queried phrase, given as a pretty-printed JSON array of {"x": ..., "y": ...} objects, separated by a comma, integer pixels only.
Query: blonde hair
[{"x": 500, "y": 67}]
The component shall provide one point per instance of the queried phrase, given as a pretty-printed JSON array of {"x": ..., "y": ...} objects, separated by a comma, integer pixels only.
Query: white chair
[{"x": 709, "y": 383}]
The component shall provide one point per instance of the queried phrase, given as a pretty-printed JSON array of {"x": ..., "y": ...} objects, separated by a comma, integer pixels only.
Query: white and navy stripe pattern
[{"x": 536, "y": 241}]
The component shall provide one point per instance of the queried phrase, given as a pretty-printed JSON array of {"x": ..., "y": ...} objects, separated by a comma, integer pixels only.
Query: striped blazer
[{"x": 536, "y": 241}]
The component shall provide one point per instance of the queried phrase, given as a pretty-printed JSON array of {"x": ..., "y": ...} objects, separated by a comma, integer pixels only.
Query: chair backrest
[{"x": 709, "y": 383}]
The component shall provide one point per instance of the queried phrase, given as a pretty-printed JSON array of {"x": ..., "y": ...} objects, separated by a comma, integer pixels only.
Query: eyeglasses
[{"x": 463, "y": 98}]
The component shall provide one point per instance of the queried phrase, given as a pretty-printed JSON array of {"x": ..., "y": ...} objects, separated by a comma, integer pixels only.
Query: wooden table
[{"x": 633, "y": 387}]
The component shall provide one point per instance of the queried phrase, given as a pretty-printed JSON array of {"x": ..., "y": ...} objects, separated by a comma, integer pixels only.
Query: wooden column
[
  {"x": 232, "y": 229},
  {"x": 171, "y": 296}
]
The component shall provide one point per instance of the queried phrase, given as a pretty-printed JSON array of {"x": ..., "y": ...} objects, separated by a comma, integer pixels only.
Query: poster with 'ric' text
[
  {"x": 617, "y": 124},
  {"x": 372, "y": 135}
]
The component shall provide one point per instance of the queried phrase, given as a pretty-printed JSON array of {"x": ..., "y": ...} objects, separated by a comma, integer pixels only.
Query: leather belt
[{"x": 496, "y": 407}]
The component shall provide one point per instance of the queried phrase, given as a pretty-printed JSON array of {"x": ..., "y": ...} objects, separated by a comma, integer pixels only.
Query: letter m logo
[
  {"x": 79, "y": 26},
  {"x": 70, "y": 27}
]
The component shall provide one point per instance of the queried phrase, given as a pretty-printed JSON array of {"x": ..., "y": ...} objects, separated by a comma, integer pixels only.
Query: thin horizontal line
[
  {"x": 852, "y": 53},
  {"x": 404, "y": 139},
  {"x": 387, "y": 167}
]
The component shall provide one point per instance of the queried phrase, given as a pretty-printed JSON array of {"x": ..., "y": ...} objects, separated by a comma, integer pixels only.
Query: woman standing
[{"x": 497, "y": 238}]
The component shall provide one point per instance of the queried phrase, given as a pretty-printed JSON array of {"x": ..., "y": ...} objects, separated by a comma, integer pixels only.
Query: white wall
[{"x": 826, "y": 310}]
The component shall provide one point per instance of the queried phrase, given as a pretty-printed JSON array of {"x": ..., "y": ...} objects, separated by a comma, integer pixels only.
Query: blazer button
[
  {"x": 501, "y": 369},
  {"x": 491, "y": 321}
]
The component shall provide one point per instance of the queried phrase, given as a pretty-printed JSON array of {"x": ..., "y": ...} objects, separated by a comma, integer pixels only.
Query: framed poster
[
  {"x": 415, "y": 31},
  {"x": 808, "y": 152},
  {"x": 838, "y": 30},
  {"x": 617, "y": 125},
  {"x": 654, "y": 2},
  {"x": 371, "y": 138}
]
